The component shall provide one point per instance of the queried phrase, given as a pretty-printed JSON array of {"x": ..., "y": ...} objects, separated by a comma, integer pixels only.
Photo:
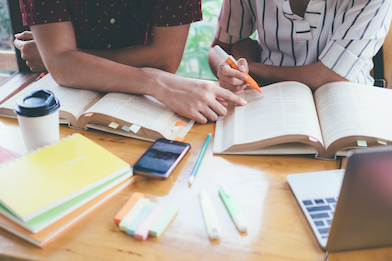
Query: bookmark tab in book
[
  {"x": 127, "y": 207},
  {"x": 382, "y": 142},
  {"x": 132, "y": 227},
  {"x": 135, "y": 128},
  {"x": 362, "y": 143},
  {"x": 175, "y": 128},
  {"x": 233, "y": 208},
  {"x": 113, "y": 125},
  {"x": 142, "y": 231},
  {"x": 131, "y": 216},
  {"x": 209, "y": 215},
  {"x": 163, "y": 221},
  {"x": 88, "y": 114},
  {"x": 180, "y": 123},
  {"x": 126, "y": 128}
]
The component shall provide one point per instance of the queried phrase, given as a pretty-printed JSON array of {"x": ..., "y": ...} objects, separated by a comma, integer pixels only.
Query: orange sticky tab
[
  {"x": 179, "y": 139},
  {"x": 127, "y": 207},
  {"x": 89, "y": 114},
  {"x": 179, "y": 123}
]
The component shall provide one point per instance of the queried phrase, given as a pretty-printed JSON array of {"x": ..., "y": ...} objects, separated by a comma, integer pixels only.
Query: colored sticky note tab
[
  {"x": 113, "y": 125},
  {"x": 142, "y": 232},
  {"x": 133, "y": 213},
  {"x": 89, "y": 114},
  {"x": 362, "y": 143},
  {"x": 179, "y": 139},
  {"x": 135, "y": 128},
  {"x": 180, "y": 123},
  {"x": 164, "y": 220},
  {"x": 382, "y": 142},
  {"x": 175, "y": 128},
  {"x": 126, "y": 128},
  {"x": 6, "y": 155},
  {"x": 127, "y": 207},
  {"x": 132, "y": 227}
]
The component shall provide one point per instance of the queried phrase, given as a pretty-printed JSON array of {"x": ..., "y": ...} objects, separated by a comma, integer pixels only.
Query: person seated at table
[
  {"x": 122, "y": 46},
  {"x": 310, "y": 41}
]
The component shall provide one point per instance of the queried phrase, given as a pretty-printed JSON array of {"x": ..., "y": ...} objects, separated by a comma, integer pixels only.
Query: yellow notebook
[{"x": 37, "y": 182}]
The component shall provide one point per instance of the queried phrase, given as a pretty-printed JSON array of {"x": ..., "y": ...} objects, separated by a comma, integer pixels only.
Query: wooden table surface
[{"x": 277, "y": 228}]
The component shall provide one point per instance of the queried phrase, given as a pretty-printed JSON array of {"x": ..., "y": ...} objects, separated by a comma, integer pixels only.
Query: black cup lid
[{"x": 37, "y": 103}]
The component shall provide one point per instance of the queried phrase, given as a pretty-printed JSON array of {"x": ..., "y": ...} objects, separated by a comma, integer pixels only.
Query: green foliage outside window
[
  {"x": 5, "y": 28},
  {"x": 194, "y": 63}
]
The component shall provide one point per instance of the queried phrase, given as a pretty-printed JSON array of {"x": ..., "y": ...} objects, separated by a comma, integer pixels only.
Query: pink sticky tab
[
  {"x": 142, "y": 231},
  {"x": 6, "y": 155}
]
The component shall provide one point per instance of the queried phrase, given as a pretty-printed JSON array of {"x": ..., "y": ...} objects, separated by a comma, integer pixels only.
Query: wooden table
[{"x": 277, "y": 229}]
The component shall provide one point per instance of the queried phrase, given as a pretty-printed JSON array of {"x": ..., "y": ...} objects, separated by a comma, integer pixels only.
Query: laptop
[{"x": 352, "y": 208}]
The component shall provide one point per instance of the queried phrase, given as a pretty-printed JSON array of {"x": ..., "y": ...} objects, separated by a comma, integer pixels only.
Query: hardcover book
[{"x": 288, "y": 118}]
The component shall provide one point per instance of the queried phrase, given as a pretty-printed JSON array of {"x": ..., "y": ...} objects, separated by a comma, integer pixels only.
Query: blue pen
[{"x": 197, "y": 164}]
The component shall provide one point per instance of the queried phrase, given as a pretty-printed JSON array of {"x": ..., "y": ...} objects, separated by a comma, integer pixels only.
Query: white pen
[{"x": 209, "y": 215}]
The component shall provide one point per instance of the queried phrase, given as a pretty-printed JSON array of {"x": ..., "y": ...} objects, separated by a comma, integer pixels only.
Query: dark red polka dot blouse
[{"x": 111, "y": 24}]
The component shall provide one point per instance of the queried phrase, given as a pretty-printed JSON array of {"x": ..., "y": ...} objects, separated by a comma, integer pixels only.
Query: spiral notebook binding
[{"x": 38, "y": 150}]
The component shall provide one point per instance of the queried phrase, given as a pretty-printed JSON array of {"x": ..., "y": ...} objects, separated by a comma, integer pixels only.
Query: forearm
[
  {"x": 140, "y": 56},
  {"x": 81, "y": 70},
  {"x": 313, "y": 75}
]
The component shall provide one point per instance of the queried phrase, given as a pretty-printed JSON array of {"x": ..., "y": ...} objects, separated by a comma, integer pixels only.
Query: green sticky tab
[
  {"x": 163, "y": 221},
  {"x": 135, "y": 128},
  {"x": 175, "y": 128},
  {"x": 362, "y": 143}
]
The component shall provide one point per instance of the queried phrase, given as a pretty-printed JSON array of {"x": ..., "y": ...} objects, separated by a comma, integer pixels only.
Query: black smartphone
[{"x": 161, "y": 158}]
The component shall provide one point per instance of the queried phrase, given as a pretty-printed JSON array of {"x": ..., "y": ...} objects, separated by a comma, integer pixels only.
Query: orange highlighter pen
[{"x": 233, "y": 64}]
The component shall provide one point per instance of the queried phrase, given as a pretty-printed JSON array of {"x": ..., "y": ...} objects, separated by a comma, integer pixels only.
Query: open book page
[
  {"x": 282, "y": 113},
  {"x": 349, "y": 112},
  {"x": 73, "y": 102},
  {"x": 155, "y": 119}
]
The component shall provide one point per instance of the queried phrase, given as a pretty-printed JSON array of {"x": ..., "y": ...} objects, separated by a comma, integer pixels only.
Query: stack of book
[{"x": 43, "y": 193}]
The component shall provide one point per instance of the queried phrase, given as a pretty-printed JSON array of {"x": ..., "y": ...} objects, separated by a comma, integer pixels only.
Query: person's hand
[
  {"x": 29, "y": 52},
  {"x": 233, "y": 79},
  {"x": 198, "y": 100}
]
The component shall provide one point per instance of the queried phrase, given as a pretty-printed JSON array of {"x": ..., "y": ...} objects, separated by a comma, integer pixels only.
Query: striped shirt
[{"x": 343, "y": 34}]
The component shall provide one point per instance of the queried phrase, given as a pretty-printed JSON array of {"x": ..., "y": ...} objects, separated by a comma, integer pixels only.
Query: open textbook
[
  {"x": 287, "y": 118},
  {"x": 136, "y": 116}
]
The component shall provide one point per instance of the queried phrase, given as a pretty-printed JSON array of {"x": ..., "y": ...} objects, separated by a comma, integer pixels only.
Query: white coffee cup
[{"x": 38, "y": 117}]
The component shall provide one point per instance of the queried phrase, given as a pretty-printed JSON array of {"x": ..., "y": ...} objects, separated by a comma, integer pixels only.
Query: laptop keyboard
[{"x": 321, "y": 211}]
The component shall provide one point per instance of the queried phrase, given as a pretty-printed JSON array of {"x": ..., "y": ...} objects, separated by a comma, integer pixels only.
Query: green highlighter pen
[{"x": 233, "y": 208}]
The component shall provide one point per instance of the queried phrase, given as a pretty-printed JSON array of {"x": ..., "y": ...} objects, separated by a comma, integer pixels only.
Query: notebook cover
[
  {"x": 49, "y": 234},
  {"x": 37, "y": 224},
  {"x": 37, "y": 182}
]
